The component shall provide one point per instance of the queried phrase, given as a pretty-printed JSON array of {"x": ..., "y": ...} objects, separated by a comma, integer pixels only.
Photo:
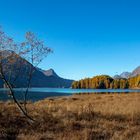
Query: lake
[{"x": 36, "y": 94}]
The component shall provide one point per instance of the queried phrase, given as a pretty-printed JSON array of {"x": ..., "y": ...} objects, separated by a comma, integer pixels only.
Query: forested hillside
[{"x": 107, "y": 82}]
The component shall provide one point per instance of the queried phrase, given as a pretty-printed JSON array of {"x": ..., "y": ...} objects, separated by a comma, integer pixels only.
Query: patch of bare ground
[{"x": 79, "y": 117}]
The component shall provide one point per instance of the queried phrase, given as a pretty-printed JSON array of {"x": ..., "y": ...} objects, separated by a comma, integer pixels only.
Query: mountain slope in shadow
[{"x": 40, "y": 78}]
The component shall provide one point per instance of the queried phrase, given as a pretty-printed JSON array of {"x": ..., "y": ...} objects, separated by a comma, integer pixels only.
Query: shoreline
[{"x": 71, "y": 95}]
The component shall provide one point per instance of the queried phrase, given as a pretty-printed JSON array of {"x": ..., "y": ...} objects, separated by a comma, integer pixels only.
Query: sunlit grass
[{"x": 79, "y": 117}]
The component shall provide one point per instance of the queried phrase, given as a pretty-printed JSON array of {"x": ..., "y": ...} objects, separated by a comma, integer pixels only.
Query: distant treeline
[{"x": 107, "y": 82}]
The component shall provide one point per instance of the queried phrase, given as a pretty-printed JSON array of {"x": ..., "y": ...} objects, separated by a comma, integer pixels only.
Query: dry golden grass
[{"x": 79, "y": 117}]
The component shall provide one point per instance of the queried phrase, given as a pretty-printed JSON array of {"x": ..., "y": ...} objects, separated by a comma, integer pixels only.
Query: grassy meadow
[{"x": 78, "y": 117}]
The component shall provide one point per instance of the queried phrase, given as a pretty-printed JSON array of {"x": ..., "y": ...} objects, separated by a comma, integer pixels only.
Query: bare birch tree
[{"x": 12, "y": 67}]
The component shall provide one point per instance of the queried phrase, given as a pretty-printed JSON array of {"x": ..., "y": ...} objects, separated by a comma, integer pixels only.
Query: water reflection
[
  {"x": 88, "y": 93},
  {"x": 36, "y": 94},
  {"x": 31, "y": 96}
]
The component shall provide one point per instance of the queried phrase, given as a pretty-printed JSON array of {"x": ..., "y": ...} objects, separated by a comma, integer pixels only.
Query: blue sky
[{"x": 88, "y": 37}]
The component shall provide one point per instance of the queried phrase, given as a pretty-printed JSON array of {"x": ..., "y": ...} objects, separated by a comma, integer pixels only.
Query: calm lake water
[{"x": 36, "y": 94}]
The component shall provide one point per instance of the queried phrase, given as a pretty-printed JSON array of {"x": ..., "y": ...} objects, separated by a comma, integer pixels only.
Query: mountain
[
  {"x": 56, "y": 80},
  {"x": 124, "y": 75},
  {"x": 135, "y": 72},
  {"x": 40, "y": 78},
  {"x": 127, "y": 75},
  {"x": 117, "y": 77},
  {"x": 50, "y": 72}
]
